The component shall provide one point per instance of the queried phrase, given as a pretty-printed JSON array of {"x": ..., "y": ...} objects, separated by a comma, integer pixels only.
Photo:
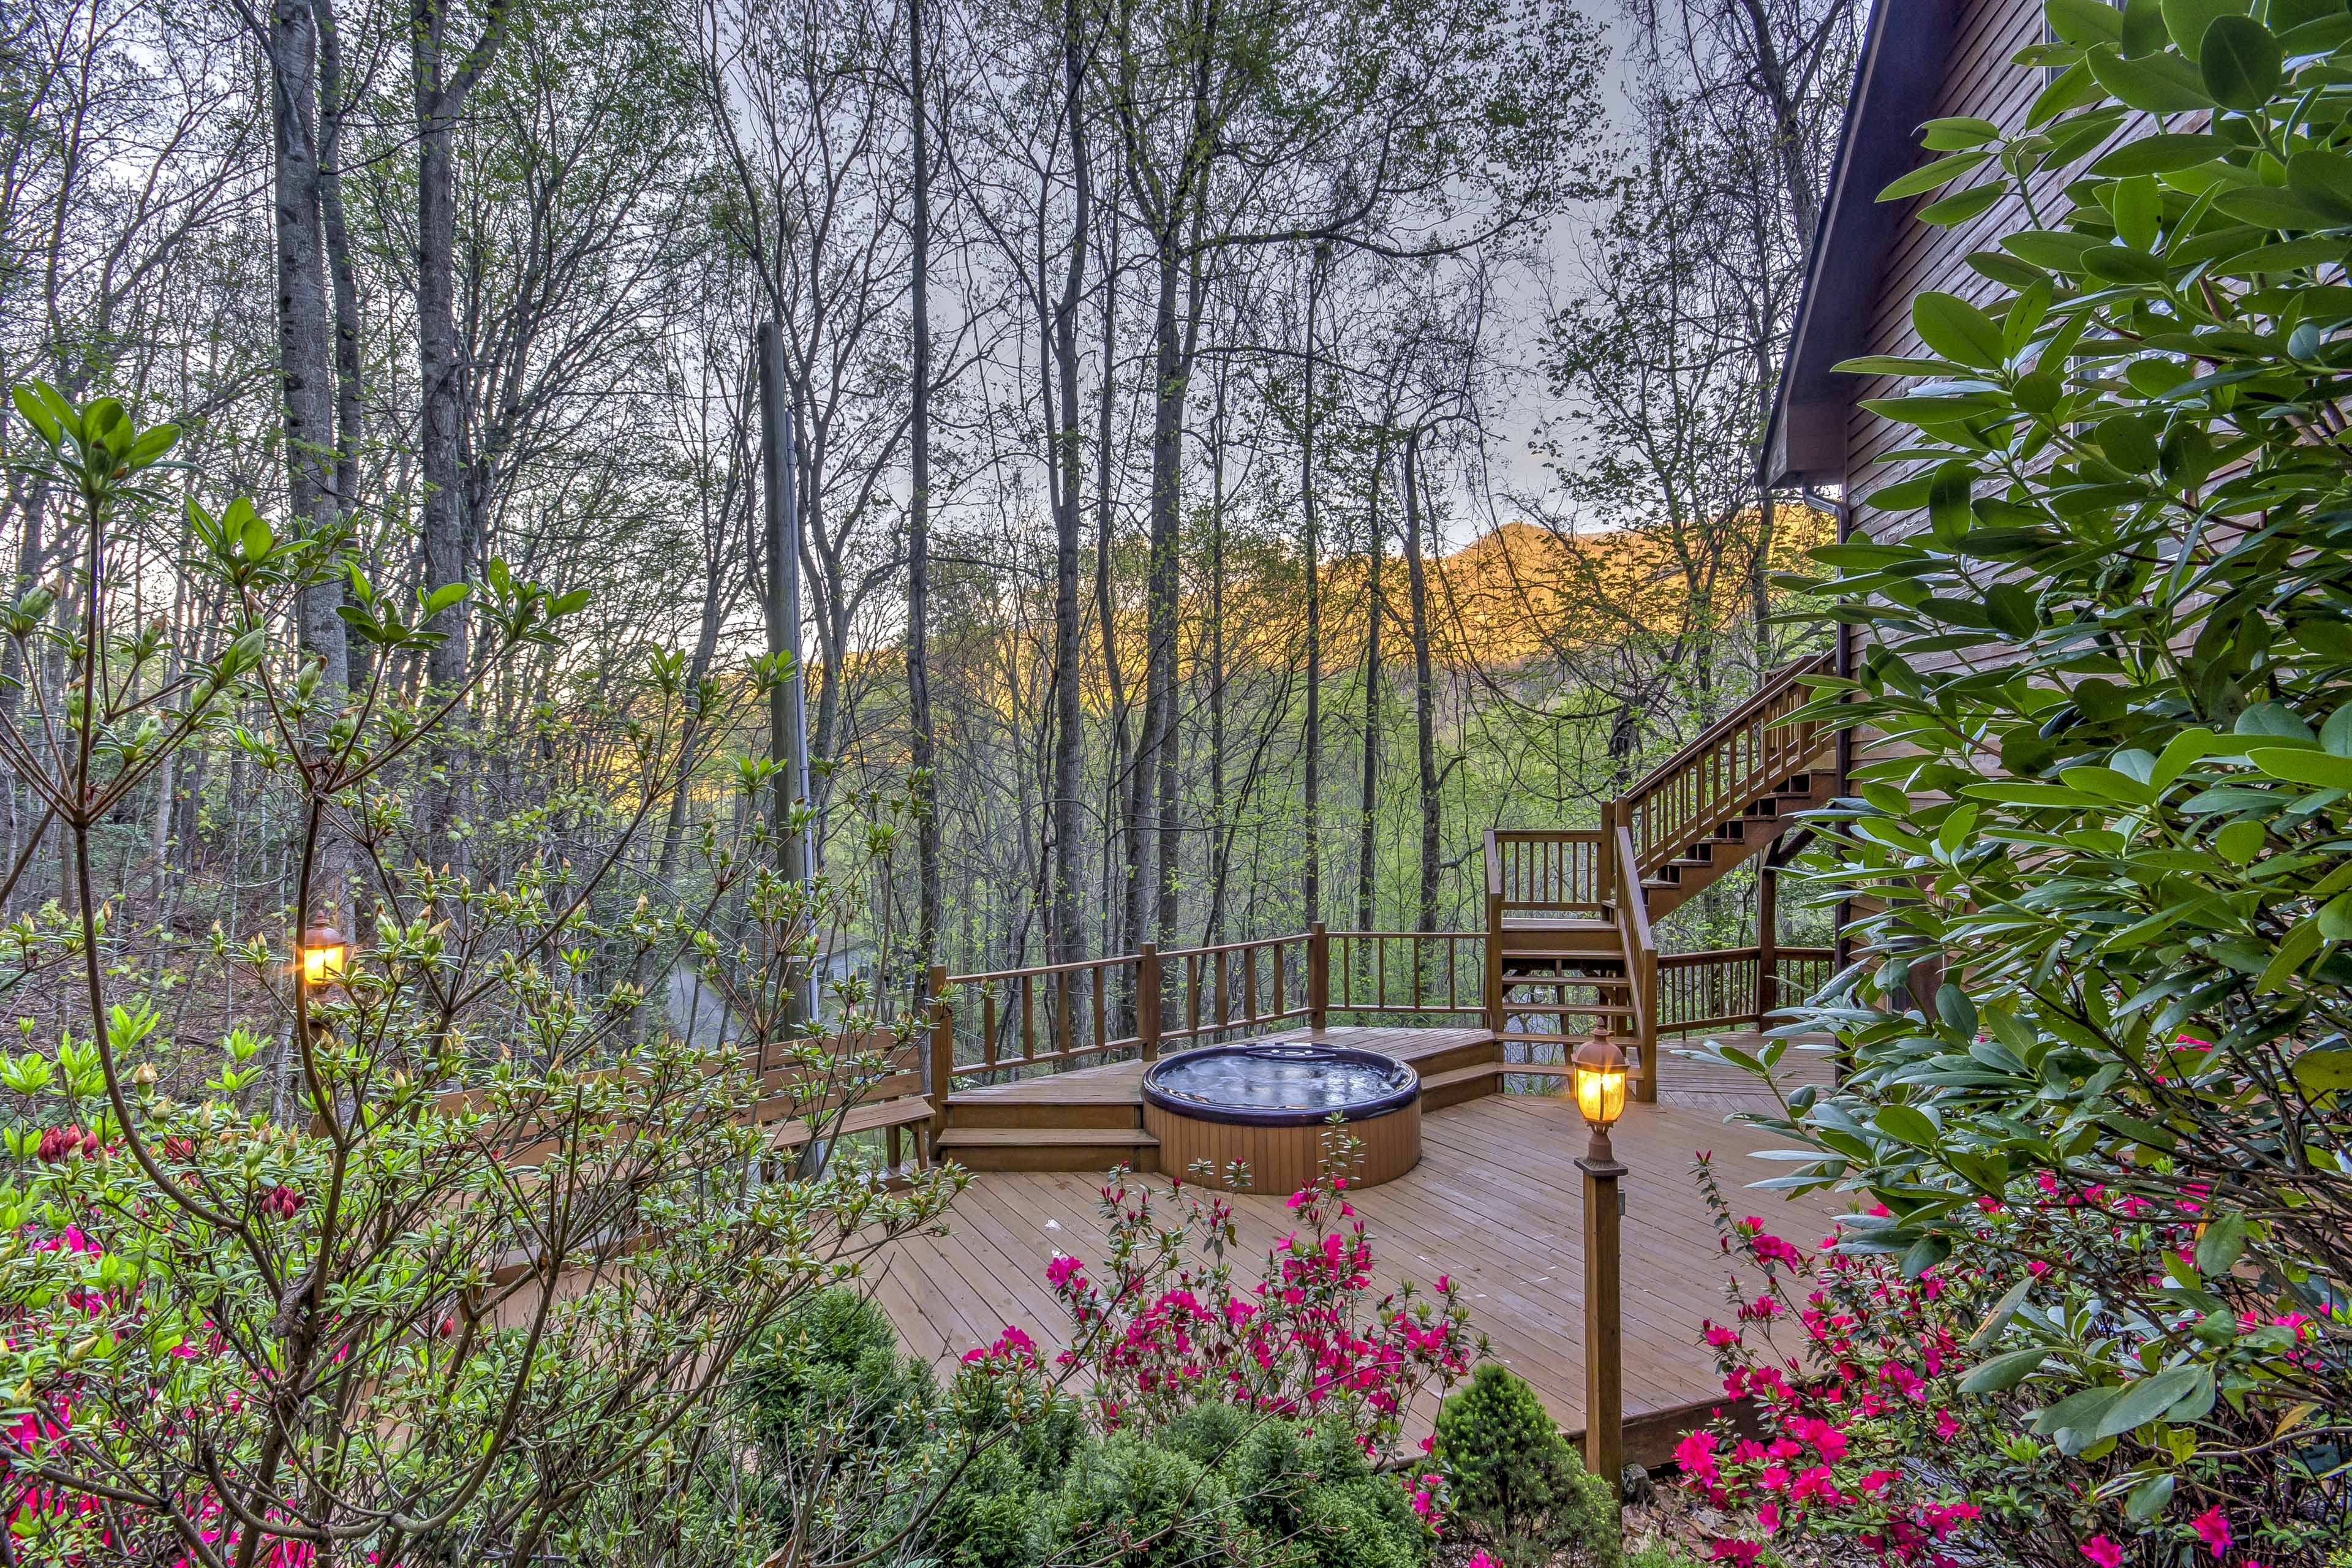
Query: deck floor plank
[{"x": 1496, "y": 1202}]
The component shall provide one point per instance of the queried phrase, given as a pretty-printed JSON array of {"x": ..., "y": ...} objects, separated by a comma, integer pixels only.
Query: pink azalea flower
[
  {"x": 2103, "y": 1551},
  {"x": 2212, "y": 1528}
]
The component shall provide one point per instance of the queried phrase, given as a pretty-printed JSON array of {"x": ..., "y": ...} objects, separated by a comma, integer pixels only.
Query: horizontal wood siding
[{"x": 1981, "y": 81}]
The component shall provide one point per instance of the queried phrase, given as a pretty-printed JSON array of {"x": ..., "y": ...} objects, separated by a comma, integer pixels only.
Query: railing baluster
[
  {"x": 1102, "y": 1014},
  {"x": 1028, "y": 1017},
  {"x": 988, "y": 1026}
]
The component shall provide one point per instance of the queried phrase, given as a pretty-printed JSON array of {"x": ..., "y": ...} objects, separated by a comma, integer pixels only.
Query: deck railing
[
  {"x": 1728, "y": 987},
  {"x": 1547, "y": 872},
  {"x": 1007, "y": 1022},
  {"x": 1409, "y": 975}
]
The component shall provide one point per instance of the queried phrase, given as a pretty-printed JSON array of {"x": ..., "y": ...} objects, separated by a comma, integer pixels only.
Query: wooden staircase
[{"x": 1570, "y": 951}]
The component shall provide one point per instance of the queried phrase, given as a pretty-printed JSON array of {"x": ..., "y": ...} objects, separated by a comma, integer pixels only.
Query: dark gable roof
[{"x": 1895, "y": 87}]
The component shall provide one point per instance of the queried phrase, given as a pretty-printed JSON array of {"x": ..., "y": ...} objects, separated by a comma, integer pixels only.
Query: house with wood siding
[{"x": 1921, "y": 60}]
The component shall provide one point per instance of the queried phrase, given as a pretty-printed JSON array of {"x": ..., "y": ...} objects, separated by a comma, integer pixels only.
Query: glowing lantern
[
  {"x": 322, "y": 952},
  {"x": 1598, "y": 1070}
]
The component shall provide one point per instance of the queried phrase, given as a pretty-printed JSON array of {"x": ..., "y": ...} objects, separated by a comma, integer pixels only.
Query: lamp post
[{"x": 1598, "y": 1072}]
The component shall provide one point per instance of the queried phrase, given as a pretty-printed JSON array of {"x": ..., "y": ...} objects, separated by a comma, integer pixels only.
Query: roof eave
[{"x": 1904, "y": 54}]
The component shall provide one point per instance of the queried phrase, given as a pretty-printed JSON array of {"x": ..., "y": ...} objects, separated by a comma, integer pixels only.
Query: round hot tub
[{"x": 1268, "y": 1106}]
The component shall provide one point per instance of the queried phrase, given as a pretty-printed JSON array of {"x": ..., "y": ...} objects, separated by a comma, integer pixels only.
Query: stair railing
[
  {"x": 1727, "y": 766},
  {"x": 1641, "y": 950}
]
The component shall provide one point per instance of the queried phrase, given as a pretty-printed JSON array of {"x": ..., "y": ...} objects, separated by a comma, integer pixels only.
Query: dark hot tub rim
[{"x": 1380, "y": 1105}]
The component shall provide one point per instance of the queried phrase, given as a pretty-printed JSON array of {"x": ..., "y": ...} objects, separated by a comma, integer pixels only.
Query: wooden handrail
[
  {"x": 1564, "y": 872},
  {"x": 1774, "y": 685},
  {"x": 1724, "y": 770},
  {"x": 1641, "y": 950}
]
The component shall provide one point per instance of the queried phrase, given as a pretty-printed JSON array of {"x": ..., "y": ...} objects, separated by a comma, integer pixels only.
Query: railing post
[
  {"x": 943, "y": 1067},
  {"x": 1768, "y": 939},
  {"x": 1147, "y": 999},
  {"x": 1318, "y": 977},
  {"x": 1604, "y": 855}
]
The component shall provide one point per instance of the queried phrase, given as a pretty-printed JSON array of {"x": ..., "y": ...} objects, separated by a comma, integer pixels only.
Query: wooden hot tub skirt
[{"x": 1281, "y": 1160}]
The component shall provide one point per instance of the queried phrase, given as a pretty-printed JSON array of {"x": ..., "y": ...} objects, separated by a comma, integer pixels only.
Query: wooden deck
[{"x": 1494, "y": 1202}]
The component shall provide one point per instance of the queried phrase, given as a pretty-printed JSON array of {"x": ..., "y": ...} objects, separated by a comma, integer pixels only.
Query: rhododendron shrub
[
  {"x": 1892, "y": 1423},
  {"x": 2095, "y": 848}
]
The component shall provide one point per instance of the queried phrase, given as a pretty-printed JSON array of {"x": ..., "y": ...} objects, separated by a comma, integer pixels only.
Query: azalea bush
[
  {"x": 1887, "y": 1431},
  {"x": 1235, "y": 1418},
  {"x": 447, "y": 1261},
  {"x": 1165, "y": 1322},
  {"x": 2098, "y": 847}
]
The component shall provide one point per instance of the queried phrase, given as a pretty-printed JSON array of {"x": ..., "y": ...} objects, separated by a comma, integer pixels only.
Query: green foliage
[
  {"x": 1129, "y": 1503},
  {"x": 1662, "y": 1554},
  {"x": 835, "y": 1365},
  {"x": 1315, "y": 1493},
  {"x": 1515, "y": 1479},
  {"x": 491, "y": 1254},
  {"x": 2109, "y": 873}
]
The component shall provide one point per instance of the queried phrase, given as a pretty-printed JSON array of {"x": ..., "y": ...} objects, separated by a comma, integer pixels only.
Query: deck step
[
  {"x": 978, "y": 1112},
  {"x": 1440, "y": 1090},
  {"x": 1059, "y": 1137},
  {"x": 1088, "y": 1149}
]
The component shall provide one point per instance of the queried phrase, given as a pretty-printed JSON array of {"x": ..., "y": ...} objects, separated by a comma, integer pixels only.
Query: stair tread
[
  {"x": 1567, "y": 1007},
  {"x": 1063, "y": 1137},
  {"x": 1471, "y": 1074}
]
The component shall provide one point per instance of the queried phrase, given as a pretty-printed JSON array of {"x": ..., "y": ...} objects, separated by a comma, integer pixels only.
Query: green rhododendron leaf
[
  {"x": 2084, "y": 21},
  {"x": 2327, "y": 1071},
  {"x": 1907, "y": 1124},
  {"x": 2222, "y": 1245},
  {"x": 2149, "y": 1498},
  {"x": 2003, "y": 1372},
  {"x": 1959, "y": 208},
  {"x": 2240, "y": 63},
  {"x": 2322, "y": 181},
  {"x": 2158, "y": 84},
  {"x": 2144, "y": 1400},
  {"x": 2322, "y": 769},
  {"x": 2189, "y": 21}
]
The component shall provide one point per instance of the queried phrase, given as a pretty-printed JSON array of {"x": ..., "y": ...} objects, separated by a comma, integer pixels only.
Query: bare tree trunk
[
  {"x": 1159, "y": 584},
  {"x": 1115, "y": 939},
  {"x": 1313, "y": 739},
  {"x": 438, "y": 95},
  {"x": 1069, "y": 736},
  {"x": 918, "y": 521},
  {"x": 307, "y": 403},
  {"x": 1368, "y": 817},
  {"x": 1424, "y": 689},
  {"x": 1221, "y": 809}
]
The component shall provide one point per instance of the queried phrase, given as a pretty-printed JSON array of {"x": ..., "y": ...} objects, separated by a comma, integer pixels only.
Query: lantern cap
[
  {"x": 322, "y": 933},
  {"x": 1599, "y": 1054}
]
